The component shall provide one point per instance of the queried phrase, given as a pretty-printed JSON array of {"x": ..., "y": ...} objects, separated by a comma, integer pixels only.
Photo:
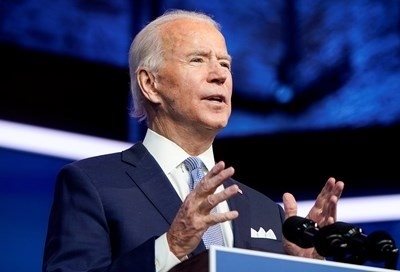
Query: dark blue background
[{"x": 316, "y": 93}]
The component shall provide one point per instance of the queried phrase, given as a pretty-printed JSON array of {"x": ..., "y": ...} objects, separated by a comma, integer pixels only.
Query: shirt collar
[{"x": 169, "y": 155}]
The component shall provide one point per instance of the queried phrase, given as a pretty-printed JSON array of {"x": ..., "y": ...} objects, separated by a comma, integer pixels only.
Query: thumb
[{"x": 289, "y": 205}]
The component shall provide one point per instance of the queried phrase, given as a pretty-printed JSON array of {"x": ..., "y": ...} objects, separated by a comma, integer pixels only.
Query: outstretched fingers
[
  {"x": 324, "y": 210},
  {"x": 212, "y": 200},
  {"x": 195, "y": 216},
  {"x": 214, "y": 178},
  {"x": 215, "y": 218},
  {"x": 325, "y": 193}
]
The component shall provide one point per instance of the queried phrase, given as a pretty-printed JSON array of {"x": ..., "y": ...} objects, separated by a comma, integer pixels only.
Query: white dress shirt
[{"x": 170, "y": 157}]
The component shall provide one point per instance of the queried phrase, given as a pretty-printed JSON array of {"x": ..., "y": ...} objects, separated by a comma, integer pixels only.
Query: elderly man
[{"x": 165, "y": 199}]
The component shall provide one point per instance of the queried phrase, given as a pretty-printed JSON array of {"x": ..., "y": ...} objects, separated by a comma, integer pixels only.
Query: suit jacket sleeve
[{"x": 78, "y": 237}]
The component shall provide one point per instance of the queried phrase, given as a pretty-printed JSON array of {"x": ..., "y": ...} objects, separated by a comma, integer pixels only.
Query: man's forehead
[
  {"x": 185, "y": 36},
  {"x": 185, "y": 26}
]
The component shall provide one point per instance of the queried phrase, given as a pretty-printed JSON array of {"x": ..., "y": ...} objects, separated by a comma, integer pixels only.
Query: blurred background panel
[{"x": 316, "y": 94}]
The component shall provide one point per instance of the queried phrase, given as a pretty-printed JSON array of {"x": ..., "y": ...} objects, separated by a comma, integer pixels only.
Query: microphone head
[
  {"x": 300, "y": 231},
  {"x": 340, "y": 239},
  {"x": 381, "y": 246}
]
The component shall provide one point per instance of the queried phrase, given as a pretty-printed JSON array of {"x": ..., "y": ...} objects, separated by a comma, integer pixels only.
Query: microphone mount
[{"x": 343, "y": 242}]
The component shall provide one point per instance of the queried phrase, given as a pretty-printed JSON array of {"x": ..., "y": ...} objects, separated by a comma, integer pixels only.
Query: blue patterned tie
[{"x": 213, "y": 235}]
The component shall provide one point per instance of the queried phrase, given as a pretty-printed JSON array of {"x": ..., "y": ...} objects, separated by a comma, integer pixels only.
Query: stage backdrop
[{"x": 316, "y": 93}]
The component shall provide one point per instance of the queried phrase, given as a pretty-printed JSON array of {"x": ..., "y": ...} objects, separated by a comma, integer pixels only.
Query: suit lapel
[
  {"x": 149, "y": 177},
  {"x": 241, "y": 225}
]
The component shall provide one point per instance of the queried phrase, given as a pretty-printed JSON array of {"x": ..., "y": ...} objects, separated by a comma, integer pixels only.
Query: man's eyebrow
[
  {"x": 226, "y": 57},
  {"x": 208, "y": 54},
  {"x": 199, "y": 53}
]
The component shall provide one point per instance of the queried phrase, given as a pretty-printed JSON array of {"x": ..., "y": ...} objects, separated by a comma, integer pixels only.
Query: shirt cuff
[{"x": 164, "y": 258}]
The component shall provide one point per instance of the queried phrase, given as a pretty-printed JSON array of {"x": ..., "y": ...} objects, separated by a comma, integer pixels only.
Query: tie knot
[
  {"x": 192, "y": 163},
  {"x": 194, "y": 166}
]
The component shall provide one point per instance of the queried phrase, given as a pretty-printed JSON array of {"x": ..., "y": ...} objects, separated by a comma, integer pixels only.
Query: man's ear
[{"x": 146, "y": 82}]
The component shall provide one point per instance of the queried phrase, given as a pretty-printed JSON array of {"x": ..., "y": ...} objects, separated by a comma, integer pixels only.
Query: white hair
[{"x": 146, "y": 51}]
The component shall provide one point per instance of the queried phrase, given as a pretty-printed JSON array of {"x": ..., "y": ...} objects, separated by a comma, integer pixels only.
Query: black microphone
[
  {"x": 306, "y": 234},
  {"x": 342, "y": 241},
  {"x": 382, "y": 247},
  {"x": 300, "y": 231}
]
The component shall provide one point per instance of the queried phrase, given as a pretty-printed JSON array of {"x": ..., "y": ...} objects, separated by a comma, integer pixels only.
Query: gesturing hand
[
  {"x": 323, "y": 213},
  {"x": 194, "y": 217}
]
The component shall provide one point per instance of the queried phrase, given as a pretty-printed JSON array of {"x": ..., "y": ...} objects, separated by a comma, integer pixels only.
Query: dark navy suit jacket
[{"x": 108, "y": 211}]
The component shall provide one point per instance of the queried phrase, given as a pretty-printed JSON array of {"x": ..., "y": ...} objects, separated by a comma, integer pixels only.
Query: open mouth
[{"x": 216, "y": 98}]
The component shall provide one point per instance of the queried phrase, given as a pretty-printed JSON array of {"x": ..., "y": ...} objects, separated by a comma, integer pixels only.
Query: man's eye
[
  {"x": 226, "y": 65},
  {"x": 196, "y": 60}
]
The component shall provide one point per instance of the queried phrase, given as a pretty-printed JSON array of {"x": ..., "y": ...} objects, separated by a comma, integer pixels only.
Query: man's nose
[{"x": 217, "y": 73}]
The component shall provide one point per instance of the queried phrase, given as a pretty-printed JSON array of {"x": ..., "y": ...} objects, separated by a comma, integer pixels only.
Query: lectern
[{"x": 222, "y": 259}]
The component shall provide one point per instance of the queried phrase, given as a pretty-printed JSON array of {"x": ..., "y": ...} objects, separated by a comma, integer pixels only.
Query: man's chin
[
  {"x": 215, "y": 123},
  {"x": 217, "y": 126}
]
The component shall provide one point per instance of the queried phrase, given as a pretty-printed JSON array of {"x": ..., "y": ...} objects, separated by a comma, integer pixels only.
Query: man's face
[{"x": 194, "y": 81}]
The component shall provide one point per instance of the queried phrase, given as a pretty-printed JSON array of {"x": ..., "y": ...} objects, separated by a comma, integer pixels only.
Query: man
[{"x": 133, "y": 211}]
